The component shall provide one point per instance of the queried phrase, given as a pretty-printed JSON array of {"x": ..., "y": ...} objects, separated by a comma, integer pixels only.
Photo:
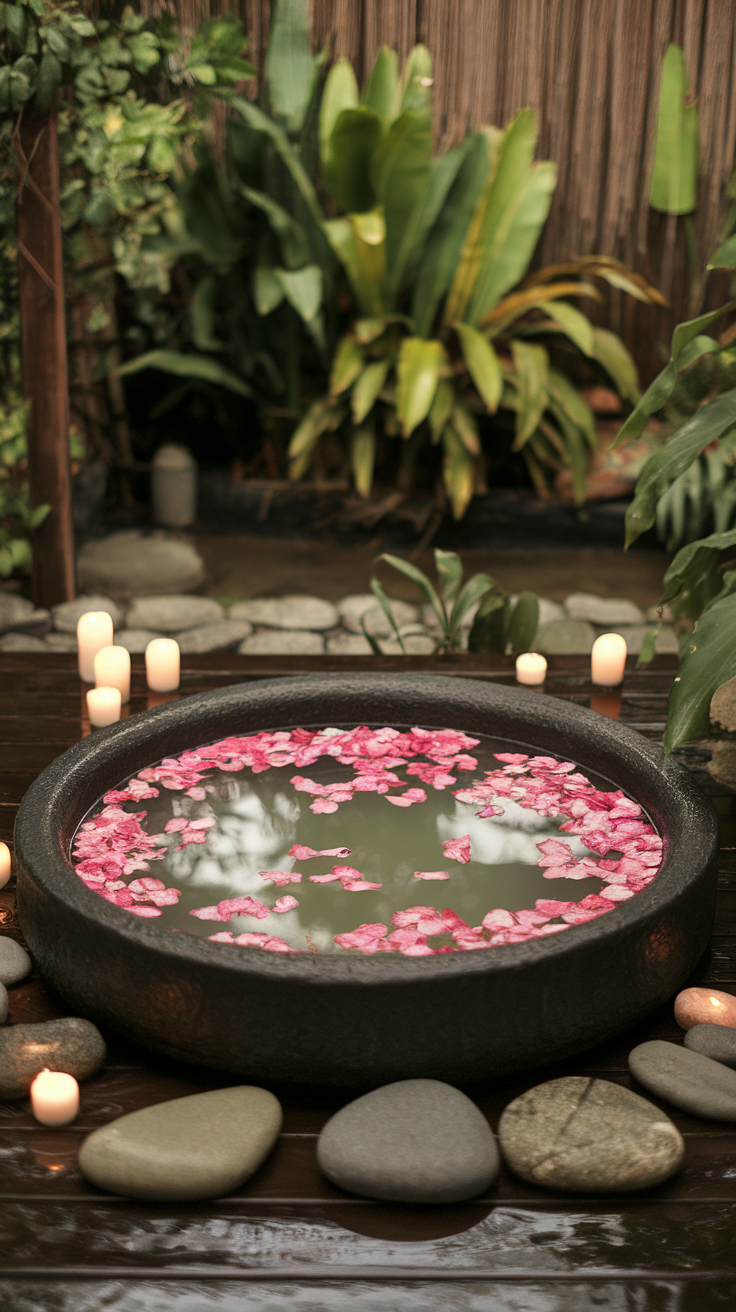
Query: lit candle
[
  {"x": 103, "y": 706},
  {"x": 162, "y": 664},
  {"x": 608, "y": 660},
  {"x": 531, "y": 668},
  {"x": 4, "y": 864},
  {"x": 55, "y": 1098},
  {"x": 94, "y": 631},
  {"x": 112, "y": 670}
]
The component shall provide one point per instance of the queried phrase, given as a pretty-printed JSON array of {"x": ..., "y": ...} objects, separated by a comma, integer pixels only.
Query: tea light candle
[
  {"x": 94, "y": 631},
  {"x": 4, "y": 864},
  {"x": 112, "y": 670},
  {"x": 162, "y": 664},
  {"x": 103, "y": 706},
  {"x": 608, "y": 660},
  {"x": 531, "y": 668},
  {"x": 55, "y": 1098}
]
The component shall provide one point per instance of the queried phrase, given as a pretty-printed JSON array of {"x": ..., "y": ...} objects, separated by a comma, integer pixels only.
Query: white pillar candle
[
  {"x": 608, "y": 660},
  {"x": 4, "y": 864},
  {"x": 112, "y": 670},
  {"x": 55, "y": 1098},
  {"x": 162, "y": 664},
  {"x": 103, "y": 706},
  {"x": 531, "y": 668},
  {"x": 94, "y": 631}
]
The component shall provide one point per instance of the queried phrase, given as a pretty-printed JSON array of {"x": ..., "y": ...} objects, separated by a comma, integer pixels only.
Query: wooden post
[{"x": 43, "y": 343}]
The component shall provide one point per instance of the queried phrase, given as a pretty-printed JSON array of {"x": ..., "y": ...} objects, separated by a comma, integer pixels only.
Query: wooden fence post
[{"x": 43, "y": 343}]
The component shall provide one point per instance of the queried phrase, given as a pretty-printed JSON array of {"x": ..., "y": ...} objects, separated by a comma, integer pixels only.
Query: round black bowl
[{"x": 357, "y": 1020}]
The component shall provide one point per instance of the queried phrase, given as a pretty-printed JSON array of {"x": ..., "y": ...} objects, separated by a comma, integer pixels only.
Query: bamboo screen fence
[{"x": 591, "y": 70}]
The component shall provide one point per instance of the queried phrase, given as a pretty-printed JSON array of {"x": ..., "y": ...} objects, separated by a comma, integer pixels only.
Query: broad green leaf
[
  {"x": 483, "y": 364},
  {"x": 523, "y": 623},
  {"x": 443, "y": 174},
  {"x": 441, "y": 408},
  {"x": 401, "y": 171},
  {"x": 465, "y": 426},
  {"x": 363, "y": 457},
  {"x": 576, "y": 325},
  {"x": 512, "y": 241},
  {"x": 491, "y": 622},
  {"x": 267, "y": 290},
  {"x": 381, "y": 91},
  {"x": 366, "y": 389},
  {"x": 458, "y": 472},
  {"x": 290, "y": 69},
  {"x": 648, "y": 646},
  {"x": 261, "y": 122},
  {"x": 347, "y": 160},
  {"x": 340, "y": 92},
  {"x": 304, "y": 438},
  {"x": 573, "y": 403},
  {"x": 303, "y": 289},
  {"x": 187, "y": 366},
  {"x": 693, "y": 579},
  {"x": 359, "y": 244},
  {"x": 536, "y": 297},
  {"x": 445, "y": 241},
  {"x": 675, "y": 177},
  {"x": 49, "y": 77},
  {"x": 474, "y": 591},
  {"x": 202, "y": 316},
  {"x": 664, "y": 466},
  {"x": 347, "y": 364},
  {"x": 532, "y": 376},
  {"x": 656, "y": 395},
  {"x": 707, "y": 660},
  {"x": 417, "y": 576},
  {"x": 291, "y": 236},
  {"x": 418, "y": 79},
  {"x": 725, "y": 256},
  {"x": 684, "y": 332},
  {"x": 385, "y": 605},
  {"x": 418, "y": 371},
  {"x": 609, "y": 350},
  {"x": 450, "y": 575},
  {"x": 369, "y": 330},
  {"x": 700, "y": 345}
]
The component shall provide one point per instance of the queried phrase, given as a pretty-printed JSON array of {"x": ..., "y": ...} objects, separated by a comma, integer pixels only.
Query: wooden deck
[{"x": 290, "y": 1242}]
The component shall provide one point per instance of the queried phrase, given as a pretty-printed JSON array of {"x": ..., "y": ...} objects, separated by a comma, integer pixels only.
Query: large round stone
[
  {"x": 191, "y": 1148},
  {"x": 698, "y": 1006},
  {"x": 67, "y": 614},
  {"x": 287, "y": 613},
  {"x": 135, "y": 640},
  {"x": 15, "y": 962},
  {"x": 417, "y": 1141},
  {"x": 282, "y": 642},
  {"x": 14, "y": 610},
  {"x": 72, "y": 1045},
  {"x": 172, "y": 614},
  {"x": 578, "y": 1133},
  {"x": 715, "y": 1041},
  {"x": 688, "y": 1080},
  {"x": 364, "y": 605},
  {"x": 602, "y": 610},
  {"x": 213, "y": 637},
  {"x": 566, "y": 638},
  {"x": 137, "y": 564}
]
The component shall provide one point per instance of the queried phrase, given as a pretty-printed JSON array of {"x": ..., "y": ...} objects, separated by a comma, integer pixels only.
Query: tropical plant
[{"x": 499, "y": 625}]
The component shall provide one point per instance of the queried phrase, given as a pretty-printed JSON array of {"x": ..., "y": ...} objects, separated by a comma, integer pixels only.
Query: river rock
[
  {"x": 688, "y": 1080},
  {"x": 715, "y": 1041},
  {"x": 283, "y": 642},
  {"x": 723, "y": 705},
  {"x": 15, "y": 962},
  {"x": 67, "y": 614},
  {"x": 602, "y": 610},
  {"x": 135, "y": 640},
  {"x": 578, "y": 1133},
  {"x": 202, "y": 1146},
  {"x": 417, "y": 1141},
  {"x": 62, "y": 641},
  {"x": 349, "y": 644},
  {"x": 213, "y": 637},
  {"x": 364, "y": 604},
  {"x": 704, "y": 1007},
  {"x": 291, "y": 613},
  {"x": 13, "y": 610},
  {"x": 4, "y": 1001},
  {"x": 566, "y": 638},
  {"x": 171, "y": 614},
  {"x": 38, "y": 623},
  {"x": 415, "y": 644},
  {"x": 136, "y": 564},
  {"x": 72, "y": 1045},
  {"x": 22, "y": 642}
]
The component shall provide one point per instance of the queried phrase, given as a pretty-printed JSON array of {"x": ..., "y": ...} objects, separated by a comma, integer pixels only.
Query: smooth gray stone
[
  {"x": 688, "y": 1080},
  {"x": 67, "y": 614},
  {"x": 3, "y": 1004},
  {"x": 723, "y": 705},
  {"x": 135, "y": 564},
  {"x": 213, "y": 637},
  {"x": 349, "y": 644},
  {"x": 13, "y": 610},
  {"x": 22, "y": 642},
  {"x": 416, "y": 1141},
  {"x": 38, "y": 623},
  {"x": 566, "y": 638},
  {"x": 364, "y": 604},
  {"x": 72, "y": 1045},
  {"x": 715, "y": 1041},
  {"x": 135, "y": 640},
  {"x": 203, "y": 1146},
  {"x": 15, "y": 962},
  {"x": 578, "y": 1133},
  {"x": 602, "y": 610},
  {"x": 282, "y": 642},
  {"x": 61, "y": 641},
  {"x": 296, "y": 612},
  {"x": 170, "y": 614}
]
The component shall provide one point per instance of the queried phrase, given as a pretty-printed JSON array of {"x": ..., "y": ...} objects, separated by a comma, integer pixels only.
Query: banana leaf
[
  {"x": 303, "y": 289},
  {"x": 346, "y": 163},
  {"x": 725, "y": 256},
  {"x": 532, "y": 375},
  {"x": 573, "y": 403},
  {"x": 465, "y": 426},
  {"x": 675, "y": 176},
  {"x": 458, "y": 472},
  {"x": 708, "y": 659},
  {"x": 512, "y": 241},
  {"x": 573, "y": 323},
  {"x": 443, "y": 174},
  {"x": 267, "y": 290},
  {"x": 346, "y": 366},
  {"x": 316, "y": 421},
  {"x": 418, "y": 371},
  {"x": 363, "y": 260},
  {"x": 441, "y": 408},
  {"x": 693, "y": 579},
  {"x": 340, "y": 92},
  {"x": 382, "y": 90},
  {"x": 401, "y": 172},
  {"x": 292, "y": 239},
  {"x": 363, "y": 457},
  {"x": 201, "y": 367},
  {"x": 602, "y": 266},
  {"x": 366, "y": 389},
  {"x": 261, "y": 122},
  {"x": 417, "y": 80},
  {"x": 537, "y": 297},
  {"x": 483, "y": 364},
  {"x": 291, "y": 71},
  {"x": 609, "y": 350}
]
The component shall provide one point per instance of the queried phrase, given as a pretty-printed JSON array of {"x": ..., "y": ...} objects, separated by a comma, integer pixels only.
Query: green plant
[{"x": 499, "y": 623}]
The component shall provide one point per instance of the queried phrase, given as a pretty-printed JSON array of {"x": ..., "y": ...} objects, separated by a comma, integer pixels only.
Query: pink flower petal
[
  {"x": 457, "y": 849},
  {"x": 280, "y": 877},
  {"x": 431, "y": 874},
  {"x": 285, "y": 904}
]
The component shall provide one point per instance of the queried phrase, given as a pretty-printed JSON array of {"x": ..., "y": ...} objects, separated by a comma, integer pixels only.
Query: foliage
[
  {"x": 675, "y": 175},
  {"x": 499, "y": 624}
]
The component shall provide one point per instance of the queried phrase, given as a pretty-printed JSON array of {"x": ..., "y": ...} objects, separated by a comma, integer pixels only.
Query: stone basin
[{"x": 312, "y": 1019}]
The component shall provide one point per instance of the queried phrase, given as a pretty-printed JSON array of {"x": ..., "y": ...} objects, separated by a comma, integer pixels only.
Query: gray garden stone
[
  {"x": 135, "y": 640},
  {"x": 349, "y": 644},
  {"x": 416, "y": 1141},
  {"x": 173, "y": 614},
  {"x": 15, "y": 962},
  {"x": 21, "y": 642},
  {"x": 364, "y": 604},
  {"x": 61, "y": 641},
  {"x": 415, "y": 644},
  {"x": 723, "y": 705},
  {"x": 295, "y": 612},
  {"x": 602, "y": 610},
  {"x": 72, "y": 1045},
  {"x": 722, "y": 763},
  {"x": 566, "y": 638},
  {"x": 4, "y": 1002},
  {"x": 67, "y": 615},
  {"x": 202, "y": 1146},
  {"x": 13, "y": 610},
  {"x": 214, "y": 637},
  {"x": 715, "y": 1041},
  {"x": 283, "y": 642},
  {"x": 667, "y": 641},
  {"x": 38, "y": 623},
  {"x": 578, "y": 1133},
  {"x": 138, "y": 564},
  {"x": 688, "y": 1080},
  {"x": 549, "y": 611}
]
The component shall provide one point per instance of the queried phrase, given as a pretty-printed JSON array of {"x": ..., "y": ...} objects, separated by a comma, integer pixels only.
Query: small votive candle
[
  {"x": 531, "y": 668},
  {"x": 4, "y": 864},
  {"x": 94, "y": 631},
  {"x": 162, "y": 664},
  {"x": 55, "y": 1098},
  {"x": 103, "y": 706},
  {"x": 608, "y": 660},
  {"x": 112, "y": 670}
]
